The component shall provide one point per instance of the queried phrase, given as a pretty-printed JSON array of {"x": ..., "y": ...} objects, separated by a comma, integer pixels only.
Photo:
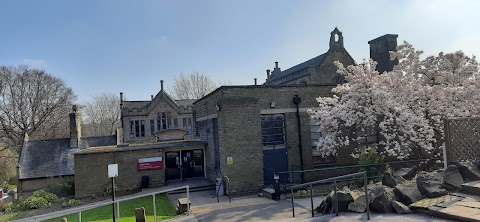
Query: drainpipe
[{"x": 297, "y": 100}]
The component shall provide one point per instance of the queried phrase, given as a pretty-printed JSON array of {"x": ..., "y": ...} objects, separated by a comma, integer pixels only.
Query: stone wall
[
  {"x": 238, "y": 110},
  {"x": 31, "y": 185},
  {"x": 91, "y": 175}
]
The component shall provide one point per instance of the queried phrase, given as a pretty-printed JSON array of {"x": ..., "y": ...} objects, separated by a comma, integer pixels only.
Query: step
[
  {"x": 270, "y": 194},
  {"x": 194, "y": 189},
  {"x": 472, "y": 187}
]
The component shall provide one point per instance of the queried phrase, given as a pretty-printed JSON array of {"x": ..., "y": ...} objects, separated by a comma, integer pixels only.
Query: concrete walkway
[{"x": 253, "y": 208}]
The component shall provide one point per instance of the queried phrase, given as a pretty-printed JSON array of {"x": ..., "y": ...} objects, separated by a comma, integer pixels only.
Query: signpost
[{"x": 112, "y": 173}]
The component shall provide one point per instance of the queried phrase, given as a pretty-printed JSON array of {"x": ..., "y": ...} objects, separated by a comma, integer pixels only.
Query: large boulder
[
  {"x": 407, "y": 173},
  {"x": 359, "y": 205},
  {"x": 344, "y": 198},
  {"x": 408, "y": 194},
  {"x": 388, "y": 180},
  {"x": 429, "y": 186},
  {"x": 383, "y": 203},
  {"x": 400, "y": 208},
  {"x": 324, "y": 207},
  {"x": 452, "y": 179},
  {"x": 468, "y": 171}
]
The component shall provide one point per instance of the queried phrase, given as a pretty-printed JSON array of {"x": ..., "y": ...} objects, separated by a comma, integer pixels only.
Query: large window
[
  {"x": 273, "y": 131},
  {"x": 137, "y": 128},
  {"x": 164, "y": 121}
]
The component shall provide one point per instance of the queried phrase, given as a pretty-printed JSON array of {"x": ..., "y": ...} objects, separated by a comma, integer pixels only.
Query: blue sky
[{"x": 128, "y": 46}]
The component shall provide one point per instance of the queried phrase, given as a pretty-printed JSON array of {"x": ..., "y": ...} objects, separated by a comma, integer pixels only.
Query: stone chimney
[
  {"x": 268, "y": 74},
  {"x": 121, "y": 99},
  {"x": 380, "y": 51},
  {"x": 75, "y": 127},
  {"x": 255, "y": 81},
  {"x": 276, "y": 69},
  {"x": 161, "y": 86},
  {"x": 151, "y": 97}
]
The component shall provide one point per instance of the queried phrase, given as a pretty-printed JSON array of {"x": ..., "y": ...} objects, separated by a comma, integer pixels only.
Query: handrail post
[
  {"x": 336, "y": 197},
  {"x": 188, "y": 199},
  {"x": 80, "y": 216},
  {"x": 118, "y": 211},
  {"x": 154, "y": 208},
  {"x": 311, "y": 199},
  {"x": 293, "y": 206},
  {"x": 366, "y": 194}
]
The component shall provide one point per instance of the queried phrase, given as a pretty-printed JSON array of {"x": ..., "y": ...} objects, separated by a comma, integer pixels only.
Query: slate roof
[
  {"x": 305, "y": 65},
  {"x": 50, "y": 158},
  {"x": 46, "y": 158}
]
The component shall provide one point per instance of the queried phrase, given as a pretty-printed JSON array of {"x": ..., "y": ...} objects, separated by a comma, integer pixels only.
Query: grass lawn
[
  {"x": 165, "y": 210},
  {"x": 13, "y": 216}
]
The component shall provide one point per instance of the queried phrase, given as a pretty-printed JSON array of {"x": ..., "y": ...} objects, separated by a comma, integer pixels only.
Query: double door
[{"x": 184, "y": 164}]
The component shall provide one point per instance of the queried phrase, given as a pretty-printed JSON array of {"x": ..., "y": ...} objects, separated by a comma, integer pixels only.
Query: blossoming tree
[{"x": 403, "y": 108}]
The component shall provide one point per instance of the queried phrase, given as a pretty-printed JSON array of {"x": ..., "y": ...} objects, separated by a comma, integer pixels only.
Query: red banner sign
[{"x": 152, "y": 163}]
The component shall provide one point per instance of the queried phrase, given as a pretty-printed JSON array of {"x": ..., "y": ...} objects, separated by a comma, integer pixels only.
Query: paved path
[{"x": 253, "y": 208}]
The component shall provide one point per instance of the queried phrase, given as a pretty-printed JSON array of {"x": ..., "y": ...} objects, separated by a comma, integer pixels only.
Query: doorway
[{"x": 184, "y": 164}]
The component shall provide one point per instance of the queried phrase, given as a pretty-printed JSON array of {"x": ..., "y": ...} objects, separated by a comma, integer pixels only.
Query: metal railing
[
  {"x": 227, "y": 188},
  {"x": 374, "y": 171},
  {"x": 80, "y": 209},
  {"x": 329, "y": 180}
]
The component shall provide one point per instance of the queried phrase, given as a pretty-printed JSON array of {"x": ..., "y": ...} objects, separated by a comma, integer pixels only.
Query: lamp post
[{"x": 296, "y": 101}]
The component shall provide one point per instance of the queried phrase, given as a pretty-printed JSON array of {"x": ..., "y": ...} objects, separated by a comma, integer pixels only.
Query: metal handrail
[
  {"x": 227, "y": 190},
  {"x": 95, "y": 205},
  {"x": 334, "y": 180}
]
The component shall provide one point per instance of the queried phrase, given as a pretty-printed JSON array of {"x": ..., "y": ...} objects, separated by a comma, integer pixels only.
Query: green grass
[
  {"x": 165, "y": 210},
  {"x": 13, "y": 216}
]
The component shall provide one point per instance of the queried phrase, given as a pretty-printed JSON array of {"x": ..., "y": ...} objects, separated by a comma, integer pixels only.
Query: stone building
[
  {"x": 141, "y": 119},
  {"x": 253, "y": 131},
  {"x": 318, "y": 70},
  {"x": 46, "y": 162}
]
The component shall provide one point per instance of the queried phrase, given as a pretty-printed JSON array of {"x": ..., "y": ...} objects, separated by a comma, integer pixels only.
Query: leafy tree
[
  {"x": 405, "y": 107},
  {"x": 102, "y": 115}
]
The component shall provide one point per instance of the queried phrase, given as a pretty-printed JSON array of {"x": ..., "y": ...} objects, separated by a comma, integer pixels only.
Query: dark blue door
[{"x": 274, "y": 161}]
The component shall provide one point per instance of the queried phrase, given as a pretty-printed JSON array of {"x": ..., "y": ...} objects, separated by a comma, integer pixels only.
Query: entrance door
[
  {"x": 172, "y": 165},
  {"x": 274, "y": 161},
  {"x": 192, "y": 163}
]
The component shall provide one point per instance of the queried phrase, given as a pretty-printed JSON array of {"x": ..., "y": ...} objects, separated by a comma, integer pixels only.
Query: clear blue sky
[{"x": 128, "y": 46}]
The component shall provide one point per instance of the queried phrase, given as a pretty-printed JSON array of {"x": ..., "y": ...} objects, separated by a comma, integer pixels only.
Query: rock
[
  {"x": 407, "y": 173},
  {"x": 377, "y": 191},
  {"x": 383, "y": 203},
  {"x": 452, "y": 179},
  {"x": 359, "y": 205},
  {"x": 399, "y": 179},
  {"x": 323, "y": 208},
  {"x": 468, "y": 171},
  {"x": 429, "y": 187},
  {"x": 344, "y": 198},
  {"x": 388, "y": 180},
  {"x": 400, "y": 208},
  {"x": 408, "y": 195}
]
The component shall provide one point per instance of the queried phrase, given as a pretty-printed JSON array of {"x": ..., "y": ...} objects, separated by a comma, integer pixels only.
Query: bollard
[{"x": 140, "y": 215}]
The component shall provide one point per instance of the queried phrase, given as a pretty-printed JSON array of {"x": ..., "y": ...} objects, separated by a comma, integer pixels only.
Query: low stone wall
[{"x": 29, "y": 186}]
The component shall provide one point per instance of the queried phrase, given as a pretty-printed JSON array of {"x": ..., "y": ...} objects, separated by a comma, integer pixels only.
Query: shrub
[
  {"x": 370, "y": 156},
  {"x": 49, "y": 197},
  {"x": 62, "y": 189},
  {"x": 9, "y": 207},
  {"x": 34, "y": 202},
  {"x": 71, "y": 203},
  {"x": 108, "y": 190}
]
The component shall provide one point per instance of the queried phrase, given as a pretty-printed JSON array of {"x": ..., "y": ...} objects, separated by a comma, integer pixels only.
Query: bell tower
[{"x": 336, "y": 40}]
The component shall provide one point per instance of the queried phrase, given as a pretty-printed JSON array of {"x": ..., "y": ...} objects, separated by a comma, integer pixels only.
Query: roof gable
[{"x": 314, "y": 62}]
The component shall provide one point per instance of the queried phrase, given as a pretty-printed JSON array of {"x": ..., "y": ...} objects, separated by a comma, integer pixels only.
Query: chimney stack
[
  {"x": 380, "y": 52},
  {"x": 121, "y": 99},
  {"x": 268, "y": 74},
  {"x": 255, "y": 80},
  {"x": 276, "y": 65},
  {"x": 151, "y": 97},
  {"x": 161, "y": 85},
  {"x": 75, "y": 127}
]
